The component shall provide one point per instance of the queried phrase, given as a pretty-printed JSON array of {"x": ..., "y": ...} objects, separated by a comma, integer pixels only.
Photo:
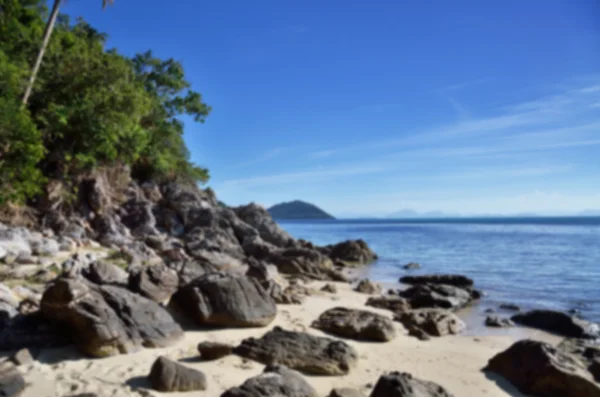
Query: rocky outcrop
[
  {"x": 455, "y": 280},
  {"x": 275, "y": 381},
  {"x": 366, "y": 286},
  {"x": 107, "y": 320},
  {"x": 401, "y": 384},
  {"x": 432, "y": 322},
  {"x": 356, "y": 324},
  {"x": 498, "y": 322},
  {"x": 155, "y": 282},
  {"x": 300, "y": 351},
  {"x": 558, "y": 323},
  {"x": 441, "y": 296},
  {"x": 259, "y": 218},
  {"x": 351, "y": 252},
  {"x": 219, "y": 299},
  {"x": 538, "y": 369},
  {"x": 104, "y": 273},
  {"x": 302, "y": 261},
  {"x": 389, "y": 302},
  {"x": 169, "y": 376},
  {"x": 213, "y": 350}
]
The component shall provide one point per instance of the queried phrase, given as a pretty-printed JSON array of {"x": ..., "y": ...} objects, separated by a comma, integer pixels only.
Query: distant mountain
[{"x": 298, "y": 210}]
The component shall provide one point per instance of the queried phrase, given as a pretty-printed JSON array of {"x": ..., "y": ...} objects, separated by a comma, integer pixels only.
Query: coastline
[{"x": 455, "y": 362}]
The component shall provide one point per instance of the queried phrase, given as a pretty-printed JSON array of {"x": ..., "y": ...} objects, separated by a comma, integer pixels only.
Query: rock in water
[
  {"x": 399, "y": 384},
  {"x": 301, "y": 351},
  {"x": 366, "y": 286},
  {"x": 558, "y": 323},
  {"x": 538, "y": 369},
  {"x": 498, "y": 322},
  {"x": 156, "y": 282},
  {"x": 433, "y": 322},
  {"x": 456, "y": 280},
  {"x": 352, "y": 252},
  {"x": 226, "y": 300},
  {"x": 213, "y": 350},
  {"x": 438, "y": 296},
  {"x": 510, "y": 307},
  {"x": 275, "y": 381},
  {"x": 107, "y": 320},
  {"x": 12, "y": 383},
  {"x": 356, "y": 324},
  {"x": 411, "y": 266},
  {"x": 169, "y": 376}
]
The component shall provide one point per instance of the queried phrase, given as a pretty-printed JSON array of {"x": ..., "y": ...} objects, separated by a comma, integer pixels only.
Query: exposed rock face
[
  {"x": 399, "y": 384},
  {"x": 213, "y": 350},
  {"x": 366, "y": 286},
  {"x": 275, "y": 381},
  {"x": 260, "y": 272},
  {"x": 300, "y": 351},
  {"x": 393, "y": 303},
  {"x": 258, "y": 217},
  {"x": 156, "y": 282},
  {"x": 104, "y": 273},
  {"x": 498, "y": 322},
  {"x": 302, "y": 261},
  {"x": 108, "y": 320},
  {"x": 351, "y": 252},
  {"x": 558, "y": 323},
  {"x": 356, "y": 324},
  {"x": 538, "y": 369},
  {"x": 433, "y": 322},
  {"x": 438, "y": 296},
  {"x": 189, "y": 270},
  {"x": 170, "y": 376},
  {"x": 447, "y": 279},
  {"x": 220, "y": 299},
  {"x": 44, "y": 247}
]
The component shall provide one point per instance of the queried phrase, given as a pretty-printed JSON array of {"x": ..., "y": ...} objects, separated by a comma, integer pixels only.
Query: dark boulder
[
  {"x": 433, "y": 322},
  {"x": 400, "y": 384},
  {"x": 345, "y": 392},
  {"x": 259, "y": 218},
  {"x": 108, "y": 320},
  {"x": 558, "y": 323},
  {"x": 170, "y": 376},
  {"x": 438, "y": 296},
  {"x": 539, "y": 369},
  {"x": 301, "y": 351},
  {"x": 366, "y": 286},
  {"x": 213, "y": 350},
  {"x": 220, "y": 299},
  {"x": 356, "y": 324},
  {"x": 275, "y": 381},
  {"x": 498, "y": 322},
  {"x": 302, "y": 262},
  {"x": 456, "y": 280},
  {"x": 393, "y": 303},
  {"x": 352, "y": 252},
  {"x": 189, "y": 270},
  {"x": 31, "y": 330},
  {"x": 155, "y": 282}
]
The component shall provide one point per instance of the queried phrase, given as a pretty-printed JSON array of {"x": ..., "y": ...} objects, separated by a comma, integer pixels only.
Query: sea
[{"x": 550, "y": 263}]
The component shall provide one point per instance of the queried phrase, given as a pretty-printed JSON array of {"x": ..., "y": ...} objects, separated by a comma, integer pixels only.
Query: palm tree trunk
[{"x": 38, "y": 61}]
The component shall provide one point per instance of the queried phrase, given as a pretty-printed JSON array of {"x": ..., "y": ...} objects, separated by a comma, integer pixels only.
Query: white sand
[{"x": 454, "y": 362}]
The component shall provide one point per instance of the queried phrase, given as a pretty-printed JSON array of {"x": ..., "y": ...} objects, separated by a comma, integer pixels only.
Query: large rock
[
  {"x": 301, "y": 351},
  {"x": 108, "y": 320},
  {"x": 258, "y": 217},
  {"x": 45, "y": 247},
  {"x": 218, "y": 246},
  {"x": 170, "y": 376},
  {"x": 189, "y": 270},
  {"x": 456, "y": 280},
  {"x": 156, "y": 282},
  {"x": 538, "y": 369},
  {"x": 352, "y": 252},
  {"x": 14, "y": 241},
  {"x": 366, "y": 286},
  {"x": 302, "y": 261},
  {"x": 441, "y": 296},
  {"x": 356, "y": 324},
  {"x": 227, "y": 300},
  {"x": 275, "y": 381},
  {"x": 400, "y": 384},
  {"x": 12, "y": 383},
  {"x": 104, "y": 273},
  {"x": 558, "y": 323},
  {"x": 213, "y": 350},
  {"x": 389, "y": 302},
  {"x": 433, "y": 322},
  {"x": 498, "y": 322}
]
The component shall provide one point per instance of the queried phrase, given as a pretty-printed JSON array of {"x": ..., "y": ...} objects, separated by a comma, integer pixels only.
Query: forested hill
[
  {"x": 90, "y": 107},
  {"x": 298, "y": 210}
]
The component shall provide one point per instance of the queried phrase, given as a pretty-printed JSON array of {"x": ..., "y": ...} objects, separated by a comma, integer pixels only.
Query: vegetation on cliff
[{"x": 90, "y": 106}]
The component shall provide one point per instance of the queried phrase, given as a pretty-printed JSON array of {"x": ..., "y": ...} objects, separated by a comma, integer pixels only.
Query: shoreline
[{"x": 455, "y": 362}]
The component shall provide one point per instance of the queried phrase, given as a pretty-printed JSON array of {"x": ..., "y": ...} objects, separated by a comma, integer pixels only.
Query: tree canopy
[{"x": 90, "y": 106}]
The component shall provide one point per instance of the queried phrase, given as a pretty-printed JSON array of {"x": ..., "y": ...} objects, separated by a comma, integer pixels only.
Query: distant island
[{"x": 298, "y": 210}]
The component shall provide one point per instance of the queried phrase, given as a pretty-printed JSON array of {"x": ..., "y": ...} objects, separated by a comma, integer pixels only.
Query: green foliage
[{"x": 90, "y": 106}]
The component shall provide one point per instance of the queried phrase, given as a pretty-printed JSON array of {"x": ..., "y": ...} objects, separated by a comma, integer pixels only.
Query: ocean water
[{"x": 549, "y": 263}]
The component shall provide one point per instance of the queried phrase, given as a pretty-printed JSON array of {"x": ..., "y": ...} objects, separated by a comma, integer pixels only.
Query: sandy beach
[{"x": 455, "y": 362}]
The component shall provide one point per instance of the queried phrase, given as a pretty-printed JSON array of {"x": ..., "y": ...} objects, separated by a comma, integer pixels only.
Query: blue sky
[{"x": 368, "y": 107}]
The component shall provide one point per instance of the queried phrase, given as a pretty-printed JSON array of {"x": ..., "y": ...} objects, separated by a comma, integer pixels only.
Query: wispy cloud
[
  {"x": 321, "y": 154},
  {"x": 264, "y": 157}
]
